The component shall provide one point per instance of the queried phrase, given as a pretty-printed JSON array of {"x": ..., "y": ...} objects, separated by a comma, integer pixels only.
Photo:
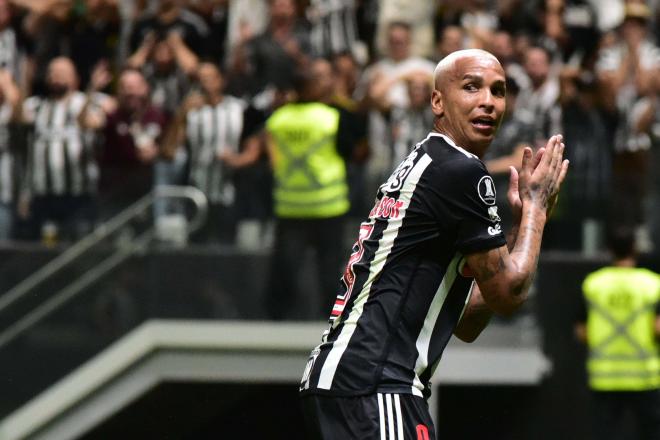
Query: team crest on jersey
[
  {"x": 486, "y": 190},
  {"x": 395, "y": 182}
]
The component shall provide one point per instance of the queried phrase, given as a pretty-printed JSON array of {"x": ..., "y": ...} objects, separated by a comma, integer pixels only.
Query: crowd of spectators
[{"x": 100, "y": 100}]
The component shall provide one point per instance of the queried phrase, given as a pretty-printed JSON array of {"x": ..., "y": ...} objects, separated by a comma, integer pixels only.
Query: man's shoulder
[
  {"x": 234, "y": 101},
  {"x": 449, "y": 157}
]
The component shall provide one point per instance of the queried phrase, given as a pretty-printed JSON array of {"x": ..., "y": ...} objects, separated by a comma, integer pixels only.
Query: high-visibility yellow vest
[
  {"x": 310, "y": 176},
  {"x": 621, "y": 310}
]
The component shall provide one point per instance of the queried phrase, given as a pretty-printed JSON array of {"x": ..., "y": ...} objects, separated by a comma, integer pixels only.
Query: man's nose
[{"x": 487, "y": 100}]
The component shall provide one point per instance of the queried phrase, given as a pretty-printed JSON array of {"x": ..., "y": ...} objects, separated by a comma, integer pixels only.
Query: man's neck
[
  {"x": 281, "y": 26},
  {"x": 479, "y": 152},
  {"x": 215, "y": 98},
  {"x": 625, "y": 262},
  {"x": 63, "y": 97},
  {"x": 168, "y": 16}
]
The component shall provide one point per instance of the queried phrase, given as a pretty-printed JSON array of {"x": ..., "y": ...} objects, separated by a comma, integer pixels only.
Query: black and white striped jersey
[
  {"x": 334, "y": 28},
  {"x": 9, "y": 166},
  {"x": 209, "y": 130},
  {"x": 10, "y": 52},
  {"x": 402, "y": 292},
  {"x": 60, "y": 159}
]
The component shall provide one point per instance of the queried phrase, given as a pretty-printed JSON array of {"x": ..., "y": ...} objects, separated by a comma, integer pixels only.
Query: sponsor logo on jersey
[
  {"x": 494, "y": 230},
  {"x": 486, "y": 190},
  {"x": 492, "y": 212},
  {"x": 387, "y": 207}
]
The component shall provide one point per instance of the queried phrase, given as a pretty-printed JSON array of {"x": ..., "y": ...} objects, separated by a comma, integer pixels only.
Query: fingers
[
  {"x": 556, "y": 159},
  {"x": 538, "y": 157},
  {"x": 557, "y": 165},
  {"x": 554, "y": 152},
  {"x": 562, "y": 172},
  {"x": 526, "y": 160},
  {"x": 513, "y": 181}
]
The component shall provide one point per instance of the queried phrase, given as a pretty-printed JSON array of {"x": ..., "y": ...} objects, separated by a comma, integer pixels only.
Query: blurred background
[{"x": 139, "y": 229}]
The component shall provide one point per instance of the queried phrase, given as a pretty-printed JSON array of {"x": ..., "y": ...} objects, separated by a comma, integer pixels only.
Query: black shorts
[{"x": 378, "y": 416}]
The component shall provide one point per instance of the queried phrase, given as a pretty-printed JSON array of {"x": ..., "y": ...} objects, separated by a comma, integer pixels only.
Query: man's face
[
  {"x": 537, "y": 65},
  {"x": 451, "y": 41},
  {"x": 470, "y": 101},
  {"x": 398, "y": 43},
  {"x": 282, "y": 9},
  {"x": 210, "y": 79},
  {"x": 5, "y": 14},
  {"x": 61, "y": 77},
  {"x": 133, "y": 91},
  {"x": 502, "y": 46},
  {"x": 419, "y": 91},
  {"x": 633, "y": 30},
  {"x": 163, "y": 57},
  {"x": 323, "y": 79}
]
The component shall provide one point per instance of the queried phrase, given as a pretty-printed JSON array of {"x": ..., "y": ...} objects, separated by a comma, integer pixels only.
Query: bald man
[{"x": 431, "y": 260}]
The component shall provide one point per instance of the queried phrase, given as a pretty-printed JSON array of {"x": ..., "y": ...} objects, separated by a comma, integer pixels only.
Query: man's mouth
[{"x": 484, "y": 123}]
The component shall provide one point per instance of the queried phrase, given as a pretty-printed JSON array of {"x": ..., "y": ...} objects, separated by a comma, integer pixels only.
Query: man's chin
[{"x": 479, "y": 144}]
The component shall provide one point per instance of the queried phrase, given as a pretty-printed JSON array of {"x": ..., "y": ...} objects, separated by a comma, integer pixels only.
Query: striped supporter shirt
[
  {"x": 60, "y": 158},
  {"x": 209, "y": 130},
  {"x": 9, "y": 166}
]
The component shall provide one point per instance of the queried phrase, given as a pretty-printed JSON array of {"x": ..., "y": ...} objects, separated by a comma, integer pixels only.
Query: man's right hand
[
  {"x": 504, "y": 276},
  {"x": 541, "y": 175}
]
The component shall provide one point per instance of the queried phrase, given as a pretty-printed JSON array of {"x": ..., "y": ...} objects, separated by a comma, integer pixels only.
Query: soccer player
[{"x": 430, "y": 260}]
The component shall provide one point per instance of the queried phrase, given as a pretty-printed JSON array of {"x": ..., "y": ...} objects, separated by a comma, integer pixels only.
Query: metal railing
[{"x": 75, "y": 251}]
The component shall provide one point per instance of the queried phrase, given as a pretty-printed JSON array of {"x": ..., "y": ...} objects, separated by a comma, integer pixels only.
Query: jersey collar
[{"x": 451, "y": 142}]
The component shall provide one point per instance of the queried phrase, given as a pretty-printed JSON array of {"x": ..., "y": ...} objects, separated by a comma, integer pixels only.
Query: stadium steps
[{"x": 235, "y": 352}]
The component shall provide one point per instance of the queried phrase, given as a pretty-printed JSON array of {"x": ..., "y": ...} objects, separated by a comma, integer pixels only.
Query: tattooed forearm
[
  {"x": 526, "y": 252},
  {"x": 475, "y": 318}
]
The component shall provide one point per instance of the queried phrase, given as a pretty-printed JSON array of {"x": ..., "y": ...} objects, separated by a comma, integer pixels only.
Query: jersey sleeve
[
  {"x": 471, "y": 199},
  {"x": 253, "y": 122}
]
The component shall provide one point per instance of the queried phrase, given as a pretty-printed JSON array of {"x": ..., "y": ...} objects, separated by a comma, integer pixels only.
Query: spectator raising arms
[
  {"x": 132, "y": 137},
  {"x": 61, "y": 180}
]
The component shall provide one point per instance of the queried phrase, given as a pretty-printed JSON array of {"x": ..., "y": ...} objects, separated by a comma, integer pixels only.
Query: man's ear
[{"x": 436, "y": 103}]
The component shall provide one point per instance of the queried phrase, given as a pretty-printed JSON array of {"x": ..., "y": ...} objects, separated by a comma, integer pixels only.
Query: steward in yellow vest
[
  {"x": 307, "y": 142},
  {"x": 621, "y": 331},
  {"x": 310, "y": 175}
]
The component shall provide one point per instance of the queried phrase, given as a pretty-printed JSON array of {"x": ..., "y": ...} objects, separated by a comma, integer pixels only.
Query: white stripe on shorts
[
  {"x": 399, "y": 419},
  {"x": 390, "y": 416},
  {"x": 381, "y": 414}
]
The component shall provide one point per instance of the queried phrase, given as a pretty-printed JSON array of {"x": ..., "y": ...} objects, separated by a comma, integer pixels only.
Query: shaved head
[
  {"x": 469, "y": 98},
  {"x": 447, "y": 65}
]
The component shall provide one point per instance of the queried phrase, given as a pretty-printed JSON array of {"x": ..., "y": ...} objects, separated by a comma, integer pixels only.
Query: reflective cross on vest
[
  {"x": 619, "y": 330},
  {"x": 300, "y": 163}
]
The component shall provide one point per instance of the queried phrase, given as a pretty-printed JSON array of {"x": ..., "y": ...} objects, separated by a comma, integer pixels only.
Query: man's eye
[
  {"x": 499, "y": 92},
  {"x": 471, "y": 87}
]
